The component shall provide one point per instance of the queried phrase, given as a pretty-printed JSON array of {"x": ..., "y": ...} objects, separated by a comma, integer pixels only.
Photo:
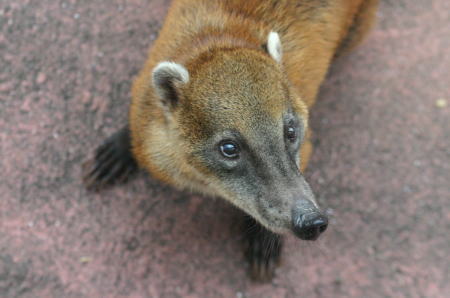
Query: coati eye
[
  {"x": 229, "y": 149},
  {"x": 291, "y": 134}
]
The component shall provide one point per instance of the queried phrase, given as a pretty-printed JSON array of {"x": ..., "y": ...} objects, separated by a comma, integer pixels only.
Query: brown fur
[{"x": 311, "y": 32}]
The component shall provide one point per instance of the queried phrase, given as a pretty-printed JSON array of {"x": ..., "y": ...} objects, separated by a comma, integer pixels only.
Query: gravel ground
[{"x": 381, "y": 166}]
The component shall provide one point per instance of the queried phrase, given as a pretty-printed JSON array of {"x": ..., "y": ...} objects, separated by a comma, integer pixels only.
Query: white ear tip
[
  {"x": 164, "y": 76},
  {"x": 273, "y": 36},
  {"x": 274, "y": 46},
  {"x": 170, "y": 70}
]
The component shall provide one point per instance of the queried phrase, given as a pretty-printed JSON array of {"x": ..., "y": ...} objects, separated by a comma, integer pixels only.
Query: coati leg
[
  {"x": 362, "y": 23},
  {"x": 262, "y": 250},
  {"x": 113, "y": 162}
]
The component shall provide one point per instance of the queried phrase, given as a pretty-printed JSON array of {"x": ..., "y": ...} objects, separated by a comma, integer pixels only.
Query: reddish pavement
[{"x": 381, "y": 166}]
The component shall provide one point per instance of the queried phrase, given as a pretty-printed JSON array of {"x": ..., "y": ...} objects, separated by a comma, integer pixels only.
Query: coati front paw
[
  {"x": 113, "y": 162},
  {"x": 262, "y": 250}
]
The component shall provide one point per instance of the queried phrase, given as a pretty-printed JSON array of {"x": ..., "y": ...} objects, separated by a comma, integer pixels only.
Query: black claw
[
  {"x": 263, "y": 250},
  {"x": 101, "y": 150},
  {"x": 112, "y": 162},
  {"x": 114, "y": 173},
  {"x": 106, "y": 155},
  {"x": 106, "y": 168},
  {"x": 126, "y": 175}
]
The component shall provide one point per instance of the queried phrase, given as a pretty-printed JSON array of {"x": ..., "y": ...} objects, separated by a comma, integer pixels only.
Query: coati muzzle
[{"x": 292, "y": 205}]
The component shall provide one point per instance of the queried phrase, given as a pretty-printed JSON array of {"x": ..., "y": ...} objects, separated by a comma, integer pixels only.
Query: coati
[{"x": 221, "y": 107}]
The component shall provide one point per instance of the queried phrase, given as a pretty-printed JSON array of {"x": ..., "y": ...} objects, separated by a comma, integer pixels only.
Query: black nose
[{"x": 309, "y": 226}]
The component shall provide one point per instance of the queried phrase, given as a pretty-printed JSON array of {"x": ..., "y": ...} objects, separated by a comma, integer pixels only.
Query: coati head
[{"x": 233, "y": 127}]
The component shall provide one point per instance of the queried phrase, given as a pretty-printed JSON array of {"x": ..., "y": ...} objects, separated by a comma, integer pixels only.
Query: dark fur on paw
[
  {"x": 262, "y": 250},
  {"x": 112, "y": 163}
]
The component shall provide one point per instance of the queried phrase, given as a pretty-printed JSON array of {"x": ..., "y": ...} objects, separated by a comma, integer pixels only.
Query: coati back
[{"x": 221, "y": 107}]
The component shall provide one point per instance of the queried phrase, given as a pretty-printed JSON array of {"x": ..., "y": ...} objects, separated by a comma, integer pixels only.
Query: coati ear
[
  {"x": 274, "y": 46},
  {"x": 165, "y": 77}
]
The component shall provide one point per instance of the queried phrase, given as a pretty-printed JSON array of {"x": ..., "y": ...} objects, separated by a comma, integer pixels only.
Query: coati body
[{"x": 221, "y": 107}]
